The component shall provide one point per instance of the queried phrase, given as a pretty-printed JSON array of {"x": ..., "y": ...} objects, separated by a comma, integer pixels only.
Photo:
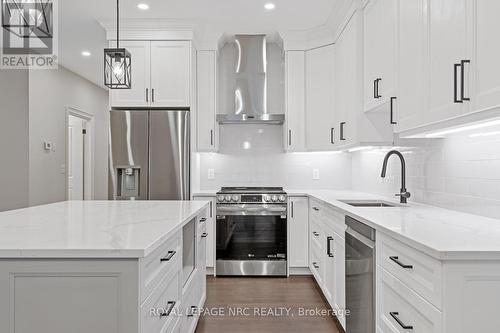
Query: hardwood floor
[{"x": 271, "y": 305}]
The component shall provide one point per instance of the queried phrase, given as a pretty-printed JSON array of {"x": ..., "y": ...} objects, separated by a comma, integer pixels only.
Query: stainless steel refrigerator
[{"x": 149, "y": 155}]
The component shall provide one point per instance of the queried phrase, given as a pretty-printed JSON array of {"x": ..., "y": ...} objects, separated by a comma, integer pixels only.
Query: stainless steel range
[{"x": 251, "y": 231}]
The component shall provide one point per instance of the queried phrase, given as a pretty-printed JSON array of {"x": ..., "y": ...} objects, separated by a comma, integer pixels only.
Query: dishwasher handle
[{"x": 363, "y": 239}]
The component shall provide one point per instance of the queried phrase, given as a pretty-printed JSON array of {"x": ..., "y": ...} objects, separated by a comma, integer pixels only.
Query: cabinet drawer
[
  {"x": 202, "y": 220},
  {"x": 415, "y": 269},
  {"x": 334, "y": 219},
  {"x": 165, "y": 302},
  {"x": 316, "y": 235},
  {"x": 316, "y": 264},
  {"x": 161, "y": 261},
  {"x": 399, "y": 309}
]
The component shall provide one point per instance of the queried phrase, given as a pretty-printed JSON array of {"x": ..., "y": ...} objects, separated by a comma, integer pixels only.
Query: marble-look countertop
[
  {"x": 441, "y": 233},
  {"x": 93, "y": 229}
]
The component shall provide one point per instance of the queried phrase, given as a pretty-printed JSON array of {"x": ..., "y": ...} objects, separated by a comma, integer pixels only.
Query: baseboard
[
  {"x": 299, "y": 271},
  {"x": 210, "y": 271}
]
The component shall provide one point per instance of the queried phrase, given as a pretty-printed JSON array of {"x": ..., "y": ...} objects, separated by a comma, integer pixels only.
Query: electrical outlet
[
  {"x": 315, "y": 174},
  {"x": 211, "y": 174}
]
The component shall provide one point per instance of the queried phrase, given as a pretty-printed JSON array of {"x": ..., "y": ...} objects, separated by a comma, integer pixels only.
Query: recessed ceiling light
[
  {"x": 86, "y": 53},
  {"x": 269, "y": 6},
  {"x": 143, "y": 6}
]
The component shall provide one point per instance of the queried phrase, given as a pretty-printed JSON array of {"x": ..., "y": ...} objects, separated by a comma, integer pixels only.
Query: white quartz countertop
[
  {"x": 441, "y": 233},
  {"x": 93, "y": 229}
]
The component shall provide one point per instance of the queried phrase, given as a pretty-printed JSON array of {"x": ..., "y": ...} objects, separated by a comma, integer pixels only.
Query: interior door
[
  {"x": 320, "y": 108},
  {"x": 170, "y": 74},
  {"x": 447, "y": 24},
  {"x": 485, "y": 64},
  {"x": 139, "y": 94},
  {"x": 169, "y": 147},
  {"x": 76, "y": 153}
]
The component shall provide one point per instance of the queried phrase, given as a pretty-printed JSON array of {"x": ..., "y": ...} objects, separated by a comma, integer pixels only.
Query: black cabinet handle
[
  {"x": 291, "y": 208},
  {"x": 169, "y": 256},
  {"x": 396, "y": 260},
  {"x": 170, "y": 307},
  {"x": 342, "y": 124},
  {"x": 289, "y": 137},
  {"x": 211, "y": 213},
  {"x": 147, "y": 94},
  {"x": 455, "y": 76},
  {"x": 377, "y": 81},
  {"x": 375, "y": 94},
  {"x": 332, "y": 136},
  {"x": 316, "y": 209},
  {"x": 203, "y": 219},
  {"x": 395, "y": 315},
  {"x": 204, "y": 235},
  {"x": 329, "y": 246},
  {"x": 315, "y": 265},
  {"x": 315, "y": 233},
  {"x": 211, "y": 137},
  {"x": 191, "y": 313},
  {"x": 153, "y": 95},
  {"x": 392, "y": 111},
  {"x": 462, "y": 83}
]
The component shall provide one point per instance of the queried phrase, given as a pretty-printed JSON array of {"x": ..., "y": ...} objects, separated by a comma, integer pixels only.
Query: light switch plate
[
  {"x": 211, "y": 174},
  {"x": 315, "y": 174}
]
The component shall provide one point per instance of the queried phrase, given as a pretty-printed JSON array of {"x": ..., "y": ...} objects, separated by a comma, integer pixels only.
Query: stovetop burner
[{"x": 242, "y": 190}]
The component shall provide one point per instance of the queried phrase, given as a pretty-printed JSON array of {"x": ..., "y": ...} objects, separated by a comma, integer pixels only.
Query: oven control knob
[
  {"x": 220, "y": 198},
  {"x": 282, "y": 198},
  {"x": 235, "y": 198},
  {"x": 228, "y": 198},
  {"x": 267, "y": 198},
  {"x": 275, "y": 198}
]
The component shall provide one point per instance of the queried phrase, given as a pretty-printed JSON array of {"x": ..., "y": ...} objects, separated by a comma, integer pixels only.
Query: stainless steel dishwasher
[{"x": 360, "y": 277}]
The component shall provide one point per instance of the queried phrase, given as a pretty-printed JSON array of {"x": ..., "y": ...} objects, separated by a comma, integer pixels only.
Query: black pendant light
[{"x": 117, "y": 62}]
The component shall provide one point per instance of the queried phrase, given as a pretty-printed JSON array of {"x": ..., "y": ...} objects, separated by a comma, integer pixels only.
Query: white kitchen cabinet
[
  {"x": 320, "y": 106},
  {"x": 210, "y": 229},
  {"x": 295, "y": 101},
  {"x": 380, "y": 37},
  {"x": 206, "y": 81},
  {"x": 139, "y": 94},
  {"x": 484, "y": 55},
  {"x": 161, "y": 75},
  {"x": 298, "y": 222},
  {"x": 171, "y": 73},
  {"x": 447, "y": 31}
]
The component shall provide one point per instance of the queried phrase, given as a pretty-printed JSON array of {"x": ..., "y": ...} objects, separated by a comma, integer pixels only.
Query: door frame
[{"x": 88, "y": 151}]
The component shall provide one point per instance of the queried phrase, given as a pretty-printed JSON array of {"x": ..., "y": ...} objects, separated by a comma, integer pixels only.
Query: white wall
[
  {"x": 252, "y": 155},
  {"x": 459, "y": 172},
  {"x": 50, "y": 93},
  {"x": 14, "y": 111}
]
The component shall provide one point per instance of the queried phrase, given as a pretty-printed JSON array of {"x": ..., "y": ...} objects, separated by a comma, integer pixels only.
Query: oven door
[{"x": 251, "y": 239}]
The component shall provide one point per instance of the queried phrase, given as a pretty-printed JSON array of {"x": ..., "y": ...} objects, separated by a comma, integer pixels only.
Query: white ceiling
[{"x": 79, "y": 27}]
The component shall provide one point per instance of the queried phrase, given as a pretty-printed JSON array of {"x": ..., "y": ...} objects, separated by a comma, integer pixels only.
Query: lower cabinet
[
  {"x": 298, "y": 254},
  {"x": 210, "y": 227},
  {"x": 327, "y": 254}
]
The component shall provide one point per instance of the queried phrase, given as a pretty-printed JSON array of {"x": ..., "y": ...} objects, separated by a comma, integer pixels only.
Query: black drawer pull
[
  {"x": 203, "y": 219},
  {"x": 396, "y": 260},
  {"x": 315, "y": 265},
  {"x": 170, "y": 307},
  {"x": 396, "y": 318},
  {"x": 342, "y": 124},
  {"x": 315, "y": 233},
  {"x": 204, "y": 235},
  {"x": 316, "y": 209},
  {"x": 462, "y": 79},
  {"x": 169, "y": 256}
]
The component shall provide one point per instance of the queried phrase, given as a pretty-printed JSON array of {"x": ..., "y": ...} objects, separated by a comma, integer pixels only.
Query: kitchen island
[{"x": 103, "y": 266}]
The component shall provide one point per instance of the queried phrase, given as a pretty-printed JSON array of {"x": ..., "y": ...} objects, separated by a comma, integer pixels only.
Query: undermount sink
[{"x": 369, "y": 203}]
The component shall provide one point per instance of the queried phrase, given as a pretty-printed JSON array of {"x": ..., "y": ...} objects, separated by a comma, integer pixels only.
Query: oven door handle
[{"x": 261, "y": 210}]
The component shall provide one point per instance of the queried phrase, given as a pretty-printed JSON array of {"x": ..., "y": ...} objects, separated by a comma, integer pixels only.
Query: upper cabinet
[
  {"x": 380, "y": 37},
  {"x": 295, "y": 63},
  {"x": 206, "y": 82},
  {"x": 161, "y": 75},
  {"x": 448, "y": 63},
  {"x": 320, "y": 113}
]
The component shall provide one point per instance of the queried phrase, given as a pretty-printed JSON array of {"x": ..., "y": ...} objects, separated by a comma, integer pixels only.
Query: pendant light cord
[{"x": 117, "y": 24}]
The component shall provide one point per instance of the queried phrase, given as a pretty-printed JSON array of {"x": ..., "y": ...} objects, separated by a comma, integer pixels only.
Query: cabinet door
[
  {"x": 170, "y": 74},
  {"x": 485, "y": 54},
  {"x": 299, "y": 235},
  {"x": 348, "y": 82},
  {"x": 447, "y": 24},
  {"x": 206, "y": 81},
  {"x": 295, "y": 101},
  {"x": 329, "y": 285},
  {"x": 412, "y": 58},
  {"x": 380, "y": 32},
  {"x": 139, "y": 94},
  {"x": 320, "y": 113}
]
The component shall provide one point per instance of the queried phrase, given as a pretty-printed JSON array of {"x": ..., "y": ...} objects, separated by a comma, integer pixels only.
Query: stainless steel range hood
[{"x": 250, "y": 78}]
